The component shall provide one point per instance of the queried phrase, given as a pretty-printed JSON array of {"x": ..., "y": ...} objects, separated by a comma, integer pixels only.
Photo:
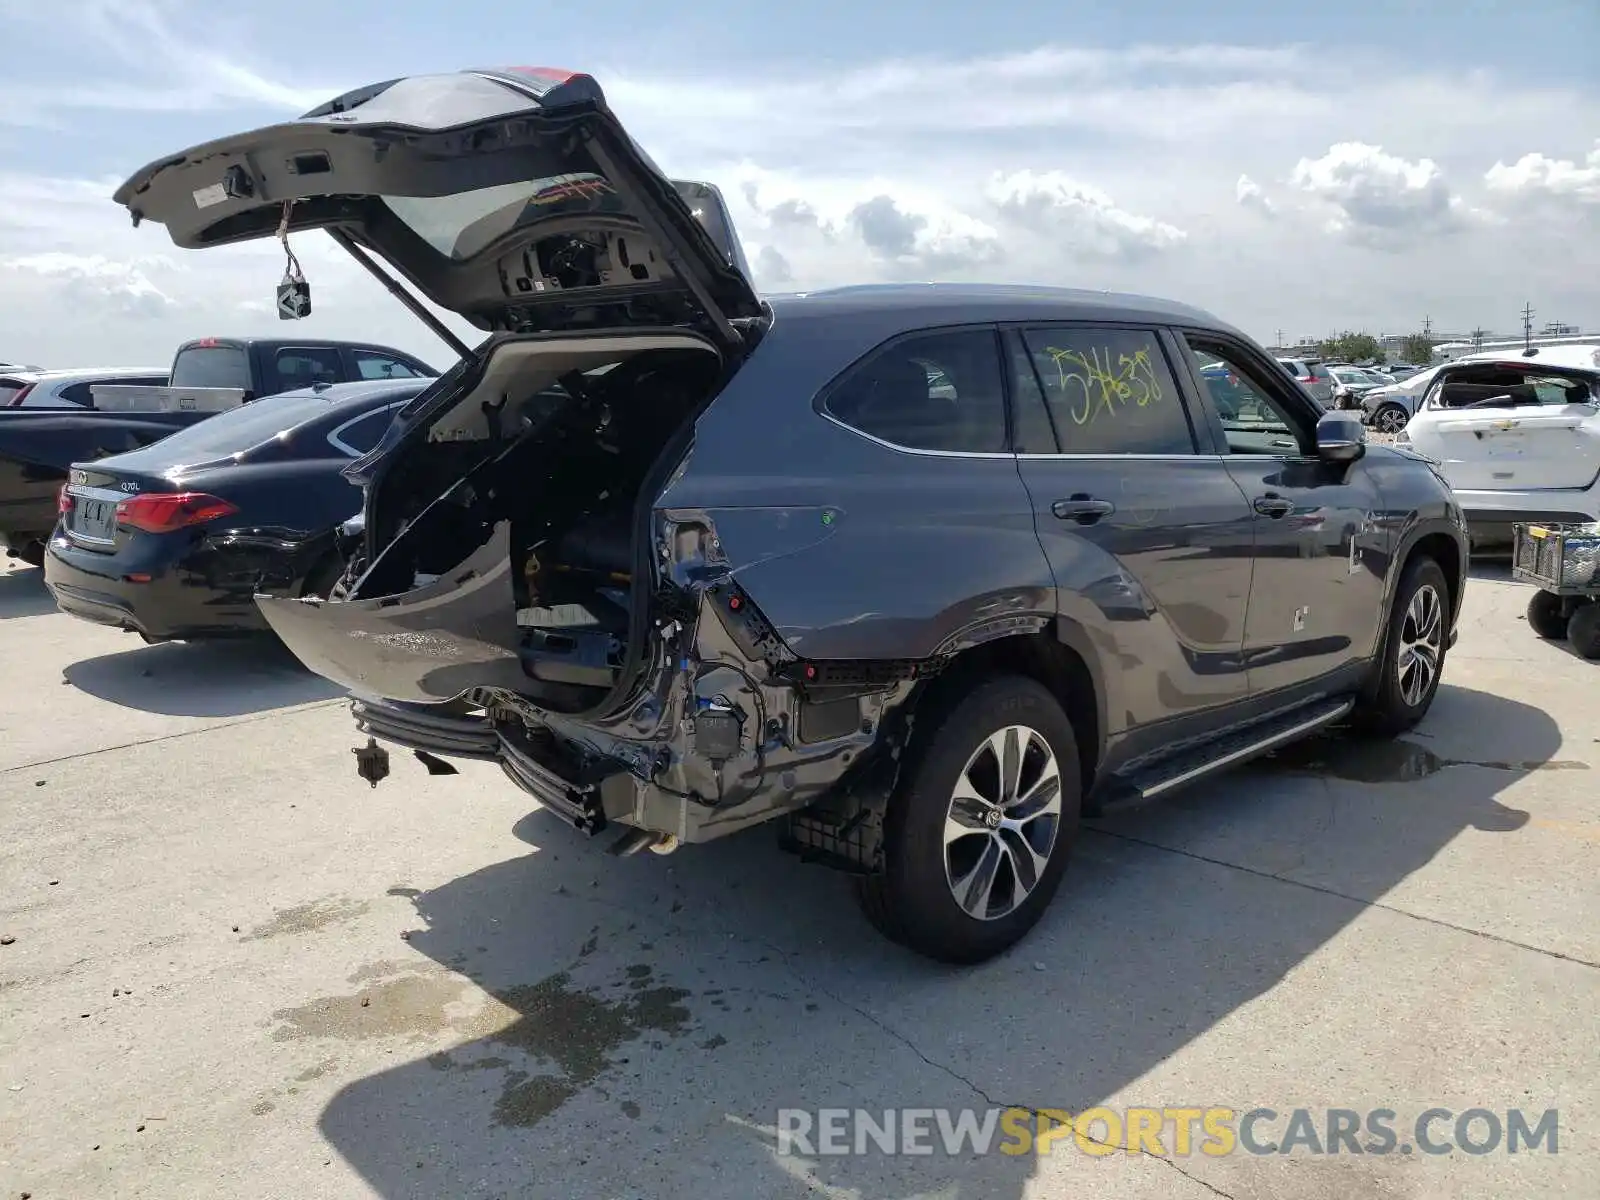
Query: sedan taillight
[
  {"x": 163, "y": 512},
  {"x": 64, "y": 500}
]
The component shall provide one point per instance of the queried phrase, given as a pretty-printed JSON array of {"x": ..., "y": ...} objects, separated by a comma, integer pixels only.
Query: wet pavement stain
[
  {"x": 307, "y": 918},
  {"x": 318, "y": 1071},
  {"x": 408, "y": 1004},
  {"x": 630, "y": 1110},
  {"x": 1376, "y": 761},
  {"x": 578, "y": 1031}
]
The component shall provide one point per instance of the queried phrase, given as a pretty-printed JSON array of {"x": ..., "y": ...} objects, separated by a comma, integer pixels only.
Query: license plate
[{"x": 96, "y": 519}]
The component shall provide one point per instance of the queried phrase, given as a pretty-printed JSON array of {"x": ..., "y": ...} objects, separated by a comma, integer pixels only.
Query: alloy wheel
[
  {"x": 1001, "y": 824},
  {"x": 1392, "y": 419},
  {"x": 1421, "y": 644}
]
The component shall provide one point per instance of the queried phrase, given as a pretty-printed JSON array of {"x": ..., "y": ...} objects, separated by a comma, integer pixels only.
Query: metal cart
[{"x": 1563, "y": 561}]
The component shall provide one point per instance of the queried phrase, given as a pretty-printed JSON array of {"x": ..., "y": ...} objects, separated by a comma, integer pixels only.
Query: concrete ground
[{"x": 238, "y": 971}]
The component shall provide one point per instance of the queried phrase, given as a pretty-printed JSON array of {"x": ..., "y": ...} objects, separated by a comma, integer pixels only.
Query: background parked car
[
  {"x": 1313, "y": 375},
  {"x": 1518, "y": 439},
  {"x": 1349, "y": 385},
  {"x": 70, "y": 389},
  {"x": 208, "y": 375},
  {"x": 173, "y": 540}
]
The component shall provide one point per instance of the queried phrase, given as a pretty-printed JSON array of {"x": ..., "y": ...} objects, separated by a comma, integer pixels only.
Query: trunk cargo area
[{"x": 505, "y": 526}]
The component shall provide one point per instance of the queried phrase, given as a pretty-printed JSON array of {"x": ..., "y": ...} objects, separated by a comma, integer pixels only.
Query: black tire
[
  {"x": 1390, "y": 418},
  {"x": 913, "y": 900},
  {"x": 1392, "y": 707},
  {"x": 1583, "y": 630},
  {"x": 1547, "y": 615},
  {"x": 31, "y": 553}
]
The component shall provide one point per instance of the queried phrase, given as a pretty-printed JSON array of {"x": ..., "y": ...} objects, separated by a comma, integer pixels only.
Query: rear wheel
[
  {"x": 1583, "y": 630},
  {"x": 1390, "y": 418},
  {"x": 1413, "y": 652},
  {"x": 31, "y": 553},
  {"x": 979, "y": 830},
  {"x": 1547, "y": 615}
]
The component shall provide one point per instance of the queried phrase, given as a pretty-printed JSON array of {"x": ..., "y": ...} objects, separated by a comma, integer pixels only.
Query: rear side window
[
  {"x": 933, "y": 391},
  {"x": 1318, "y": 371},
  {"x": 211, "y": 367},
  {"x": 1109, "y": 391},
  {"x": 302, "y": 366},
  {"x": 360, "y": 435},
  {"x": 8, "y": 391}
]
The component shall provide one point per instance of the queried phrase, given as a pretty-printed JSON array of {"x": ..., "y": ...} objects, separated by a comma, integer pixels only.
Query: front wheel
[
  {"x": 1413, "y": 652},
  {"x": 981, "y": 826},
  {"x": 1390, "y": 418}
]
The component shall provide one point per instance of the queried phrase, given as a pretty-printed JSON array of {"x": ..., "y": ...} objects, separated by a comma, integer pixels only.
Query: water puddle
[{"x": 1359, "y": 760}]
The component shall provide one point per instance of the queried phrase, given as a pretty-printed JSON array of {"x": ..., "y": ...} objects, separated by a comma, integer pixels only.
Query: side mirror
[{"x": 1341, "y": 438}]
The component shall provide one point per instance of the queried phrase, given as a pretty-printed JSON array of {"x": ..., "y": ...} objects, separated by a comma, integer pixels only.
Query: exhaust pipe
[{"x": 635, "y": 840}]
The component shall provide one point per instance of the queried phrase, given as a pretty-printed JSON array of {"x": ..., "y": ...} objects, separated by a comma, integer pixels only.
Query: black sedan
[{"x": 173, "y": 540}]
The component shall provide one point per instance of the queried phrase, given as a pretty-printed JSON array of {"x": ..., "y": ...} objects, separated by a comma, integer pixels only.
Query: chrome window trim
[{"x": 344, "y": 447}]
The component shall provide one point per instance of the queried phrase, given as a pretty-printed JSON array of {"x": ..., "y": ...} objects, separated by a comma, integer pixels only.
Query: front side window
[
  {"x": 382, "y": 366},
  {"x": 1109, "y": 391},
  {"x": 1254, "y": 419},
  {"x": 939, "y": 390}
]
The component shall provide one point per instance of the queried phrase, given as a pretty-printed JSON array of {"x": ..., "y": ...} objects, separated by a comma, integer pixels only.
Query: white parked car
[
  {"x": 67, "y": 389},
  {"x": 1517, "y": 436}
]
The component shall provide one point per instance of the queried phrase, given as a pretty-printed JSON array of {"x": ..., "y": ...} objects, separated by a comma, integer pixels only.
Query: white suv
[{"x": 1517, "y": 437}]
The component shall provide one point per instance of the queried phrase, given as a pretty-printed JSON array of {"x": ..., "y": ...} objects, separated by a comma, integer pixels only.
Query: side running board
[{"x": 1234, "y": 749}]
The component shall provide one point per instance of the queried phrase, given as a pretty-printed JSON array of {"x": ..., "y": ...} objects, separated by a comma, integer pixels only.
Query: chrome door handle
[
  {"x": 1085, "y": 510},
  {"x": 1273, "y": 506}
]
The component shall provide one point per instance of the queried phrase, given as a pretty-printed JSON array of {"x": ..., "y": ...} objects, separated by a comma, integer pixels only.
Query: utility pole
[
  {"x": 1478, "y": 335},
  {"x": 1427, "y": 327},
  {"x": 1527, "y": 326},
  {"x": 1280, "y": 339}
]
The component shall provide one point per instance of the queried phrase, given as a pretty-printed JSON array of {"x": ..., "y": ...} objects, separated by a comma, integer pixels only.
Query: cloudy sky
[{"x": 1361, "y": 165}]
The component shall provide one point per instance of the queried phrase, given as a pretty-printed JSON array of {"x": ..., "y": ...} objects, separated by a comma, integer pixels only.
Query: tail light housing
[
  {"x": 64, "y": 500},
  {"x": 21, "y": 394},
  {"x": 164, "y": 512}
]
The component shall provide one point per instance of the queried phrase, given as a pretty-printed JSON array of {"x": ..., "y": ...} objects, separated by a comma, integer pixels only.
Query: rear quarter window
[{"x": 939, "y": 391}]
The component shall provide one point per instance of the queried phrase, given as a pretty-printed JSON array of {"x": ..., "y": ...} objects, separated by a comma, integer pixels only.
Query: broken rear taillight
[{"x": 163, "y": 512}]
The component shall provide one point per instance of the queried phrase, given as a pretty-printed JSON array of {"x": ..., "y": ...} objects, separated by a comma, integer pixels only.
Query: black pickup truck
[{"x": 38, "y": 446}]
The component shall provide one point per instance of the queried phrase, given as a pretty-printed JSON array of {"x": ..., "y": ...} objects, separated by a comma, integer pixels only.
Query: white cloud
[
  {"x": 1374, "y": 195},
  {"x": 1250, "y": 194},
  {"x": 95, "y": 286},
  {"x": 1145, "y": 168},
  {"x": 1078, "y": 219},
  {"x": 1535, "y": 174}
]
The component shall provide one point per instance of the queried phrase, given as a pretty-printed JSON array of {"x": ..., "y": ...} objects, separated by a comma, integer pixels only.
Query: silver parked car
[
  {"x": 1313, "y": 375},
  {"x": 70, "y": 389}
]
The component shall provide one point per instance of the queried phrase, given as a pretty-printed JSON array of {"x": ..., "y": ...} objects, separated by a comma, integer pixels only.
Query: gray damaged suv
[{"x": 922, "y": 574}]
